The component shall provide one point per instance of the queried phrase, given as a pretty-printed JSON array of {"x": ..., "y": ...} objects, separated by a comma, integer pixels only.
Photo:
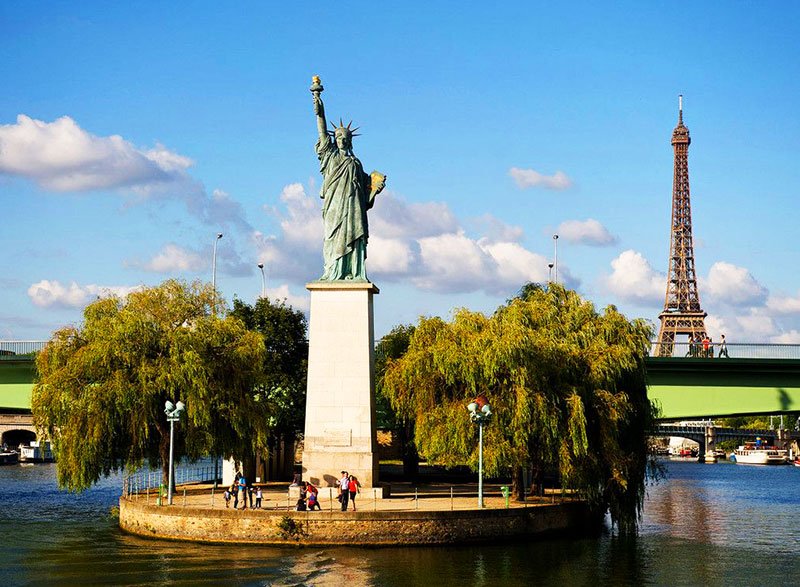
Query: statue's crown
[{"x": 344, "y": 131}]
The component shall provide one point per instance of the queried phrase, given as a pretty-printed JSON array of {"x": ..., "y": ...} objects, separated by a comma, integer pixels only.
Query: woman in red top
[{"x": 353, "y": 487}]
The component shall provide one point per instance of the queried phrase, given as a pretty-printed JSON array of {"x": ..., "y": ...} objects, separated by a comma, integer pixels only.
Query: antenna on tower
[{"x": 680, "y": 107}]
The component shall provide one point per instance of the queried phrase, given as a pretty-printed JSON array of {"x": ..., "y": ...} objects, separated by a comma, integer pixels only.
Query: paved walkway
[{"x": 430, "y": 497}]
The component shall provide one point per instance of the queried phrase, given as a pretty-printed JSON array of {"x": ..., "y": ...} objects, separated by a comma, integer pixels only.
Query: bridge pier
[{"x": 710, "y": 441}]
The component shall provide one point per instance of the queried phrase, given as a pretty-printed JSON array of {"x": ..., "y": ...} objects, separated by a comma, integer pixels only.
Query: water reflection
[{"x": 707, "y": 524}]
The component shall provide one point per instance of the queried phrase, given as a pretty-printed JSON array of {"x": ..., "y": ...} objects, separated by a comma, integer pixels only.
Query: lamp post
[
  {"x": 550, "y": 274},
  {"x": 263, "y": 281},
  {"x": 555, "y": 255},
  {"x": 480, "y": 411},
  {"x": 214, "y": 271},
  {"x": 173, "y": 412}
]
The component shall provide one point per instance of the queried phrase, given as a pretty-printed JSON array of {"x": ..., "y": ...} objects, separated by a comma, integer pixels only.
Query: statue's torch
[{"x": 316, "y": 86}]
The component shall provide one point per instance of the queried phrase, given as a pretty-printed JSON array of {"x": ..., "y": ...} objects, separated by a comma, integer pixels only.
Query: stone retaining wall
[{"x": 352, "y": 528}]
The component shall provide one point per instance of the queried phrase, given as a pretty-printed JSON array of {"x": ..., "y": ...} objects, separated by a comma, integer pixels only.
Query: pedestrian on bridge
[{"x": 723, "y": 348}]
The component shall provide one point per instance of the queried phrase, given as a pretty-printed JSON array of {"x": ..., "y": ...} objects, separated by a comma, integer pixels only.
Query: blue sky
[{"x": 131, "y": 133}]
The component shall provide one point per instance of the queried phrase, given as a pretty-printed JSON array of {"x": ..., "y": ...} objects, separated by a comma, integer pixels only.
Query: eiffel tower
[{"x": 682, "y": 314}]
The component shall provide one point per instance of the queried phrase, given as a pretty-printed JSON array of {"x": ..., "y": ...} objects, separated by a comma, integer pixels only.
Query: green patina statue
[{"x": 347, "y": 194}]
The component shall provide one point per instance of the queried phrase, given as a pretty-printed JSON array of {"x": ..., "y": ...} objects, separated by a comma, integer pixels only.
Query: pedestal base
[{"x": 340, "y": 403}]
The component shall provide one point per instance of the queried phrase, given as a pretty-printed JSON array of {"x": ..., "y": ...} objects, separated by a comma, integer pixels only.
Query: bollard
[
  {"x": 184, "y": 497},
  {"x": 416, "y": 499},
  {"x": 506, "y": 493},
  {"x": 212, "y": 495},
  {"x": 451, "y": 498}
]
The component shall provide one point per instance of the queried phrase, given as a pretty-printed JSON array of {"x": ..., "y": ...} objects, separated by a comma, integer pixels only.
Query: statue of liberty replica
[
  {"x": 340, "y": 432},
  {"x": 347, "y": 194}
]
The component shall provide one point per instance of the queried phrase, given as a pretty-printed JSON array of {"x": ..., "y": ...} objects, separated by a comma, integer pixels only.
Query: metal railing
[
  {"x": 140, "y": 484},
  {"x": 731, "y": 350},
  {"x": 15, "y": 349}
]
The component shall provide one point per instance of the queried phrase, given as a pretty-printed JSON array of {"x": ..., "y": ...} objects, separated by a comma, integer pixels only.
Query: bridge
[
  {"x": 693, "y": 383},
  {"x": 753, "y": 379},
  {"x": 707, "y": 436}
]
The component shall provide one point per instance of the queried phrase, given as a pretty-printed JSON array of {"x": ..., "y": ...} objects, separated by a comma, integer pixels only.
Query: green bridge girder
[
  {"x": 682, "y": 388},
  {"x": 16, "y": 384},
  {"x": 687, "y": 388}
]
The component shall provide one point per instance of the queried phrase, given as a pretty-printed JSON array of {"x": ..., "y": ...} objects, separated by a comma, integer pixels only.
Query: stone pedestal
[{"x": 340, "y": 404}]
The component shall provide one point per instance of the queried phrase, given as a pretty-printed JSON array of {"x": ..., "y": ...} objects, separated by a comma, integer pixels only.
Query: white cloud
[
  {"x": 453, "y": 262},
  {"x": 495, "y": 230},
  {"x": 528, "y": 178},
  {"x": 791, "y": 337},
  {"x": 393, "y": 217},
  {"x": 586, "y": 232},
  {"x": 420, "y": 243},
  {"x": 173, "y": 258},
  {"x": 784, "y": 304},
  {"x": 47, "y": 293},
  {"x": 633, "y": 279},
  {"x": 390, "y": 256},
  {"x": 60, "y": 156},
  {"x": 301, "y": 302},
  {"x": 754, "y": 326},
  {"x": 733, "y": 285}
]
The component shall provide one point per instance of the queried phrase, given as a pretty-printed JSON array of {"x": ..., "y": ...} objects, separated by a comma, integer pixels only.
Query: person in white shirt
[{"x": 344, "y": 491}]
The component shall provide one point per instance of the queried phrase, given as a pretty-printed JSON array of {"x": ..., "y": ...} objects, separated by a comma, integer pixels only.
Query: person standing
[
  {"x": 227, "y": 496},
  {"x": 353, "y": 487},
  {"x": 243, "y": 491},
  {"x": 723, "y": 348},
  {"x": 258, "y": 498},
  {"x": 344, "y": 489},
  {"x": 235, "y": 491}
]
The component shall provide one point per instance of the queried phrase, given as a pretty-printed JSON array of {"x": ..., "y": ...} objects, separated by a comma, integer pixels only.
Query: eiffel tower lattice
[{"x": 682, "y": 314}]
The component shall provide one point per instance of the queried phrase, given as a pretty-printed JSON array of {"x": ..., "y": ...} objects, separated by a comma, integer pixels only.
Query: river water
[{"x": 721, "y": 524}]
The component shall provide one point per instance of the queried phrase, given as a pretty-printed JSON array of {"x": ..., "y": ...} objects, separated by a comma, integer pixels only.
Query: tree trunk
[
  {"x": 517, "y": 484},
  {"x": 409, "y": 449}
]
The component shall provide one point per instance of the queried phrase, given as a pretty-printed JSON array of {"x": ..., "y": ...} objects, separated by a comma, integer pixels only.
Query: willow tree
[
  {"x": 390, "y": 348},
  {"x": 102, "y": 386},
  {"x": 282, "y": 382},
  {"x": 567, "y": 387}
]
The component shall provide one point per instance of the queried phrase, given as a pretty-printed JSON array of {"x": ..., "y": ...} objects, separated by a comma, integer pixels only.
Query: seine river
[{"x": 718, "y": 524}]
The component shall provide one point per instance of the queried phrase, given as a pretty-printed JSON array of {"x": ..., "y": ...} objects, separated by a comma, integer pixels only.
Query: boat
[
  {"x": 36, "y": 452},
  {"x": 751, "y": 453},
  {"x": 9, "y": 457}
]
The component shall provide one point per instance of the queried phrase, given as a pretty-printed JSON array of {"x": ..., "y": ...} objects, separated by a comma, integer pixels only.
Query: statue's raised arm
[
  {"x": 347, "y": 193},
  {"x": 319, "y": 107}
]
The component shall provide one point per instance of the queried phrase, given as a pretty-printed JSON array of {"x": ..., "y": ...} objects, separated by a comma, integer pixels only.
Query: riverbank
[{"x": 408, "y": 518}]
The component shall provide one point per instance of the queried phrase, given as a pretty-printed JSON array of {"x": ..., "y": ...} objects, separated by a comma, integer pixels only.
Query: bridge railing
[
  {"x": 734, "y": 350},
  {"x": 14, "y": 349}
]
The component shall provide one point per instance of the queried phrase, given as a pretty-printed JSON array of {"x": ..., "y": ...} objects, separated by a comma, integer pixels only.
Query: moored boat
[
  {"x": 753, "y": 454},
  {"x": 9, "y": 457},
  {"x": 36, "y": 452}
]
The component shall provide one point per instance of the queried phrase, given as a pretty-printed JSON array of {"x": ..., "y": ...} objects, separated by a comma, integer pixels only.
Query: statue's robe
[{"x": 346, "y": 199}]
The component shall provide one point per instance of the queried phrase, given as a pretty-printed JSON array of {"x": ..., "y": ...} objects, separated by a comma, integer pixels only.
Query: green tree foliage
[
  {"x": 102, "y": 386},
  {"x": 567, "y": 386},
  {"x": 390, "y": 348},
  {"x": 285, "y": 365}
]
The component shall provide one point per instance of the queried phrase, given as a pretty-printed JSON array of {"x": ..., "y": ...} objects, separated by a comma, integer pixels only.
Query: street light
[
  {"x": 173, "y": 412},
  {"x": 214, "y": 271},
  {"x": 480, "y": 412},
  {"x": 550, "y": 267},
  {"x": 263, "y": 281},
  {"x": 555, "y": 255}
]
